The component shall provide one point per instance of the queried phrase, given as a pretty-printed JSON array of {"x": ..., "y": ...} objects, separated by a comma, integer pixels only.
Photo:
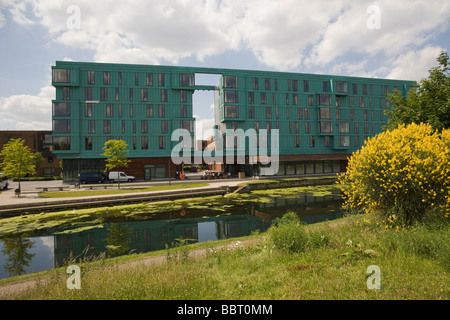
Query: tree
[
  {"x": 429, "y": 102},
  {"x": 38, "y": 160},
  {"x": 116, "y": 152},
  {"x": 17, "y": 160},
  {"x": 403, "y": 172}
]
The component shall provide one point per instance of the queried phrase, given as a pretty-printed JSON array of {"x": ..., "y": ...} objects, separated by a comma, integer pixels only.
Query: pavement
[{"x": 29, "y": 192}]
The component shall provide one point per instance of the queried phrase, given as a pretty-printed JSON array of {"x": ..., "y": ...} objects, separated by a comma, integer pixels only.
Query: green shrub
[{"x": 288, "y": 234}]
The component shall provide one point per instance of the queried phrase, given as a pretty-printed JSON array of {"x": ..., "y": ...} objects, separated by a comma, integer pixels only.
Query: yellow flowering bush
[{"x": 404, "y": 172}]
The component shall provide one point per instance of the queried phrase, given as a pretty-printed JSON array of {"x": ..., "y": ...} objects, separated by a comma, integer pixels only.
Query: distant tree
[
  {"x": 38, "y": 160},
  {"x": 116, "y": 152},
  {"x": 429, "y": 102},
  {"x": 17, "y": 160}
]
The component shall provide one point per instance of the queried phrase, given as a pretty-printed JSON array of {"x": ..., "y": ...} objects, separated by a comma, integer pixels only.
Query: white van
[
  {"x": 116, "y": 175},
  {"x": 4, "y": 181}
]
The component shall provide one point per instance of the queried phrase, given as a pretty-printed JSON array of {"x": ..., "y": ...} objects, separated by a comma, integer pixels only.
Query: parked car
[
  {"x": 116, "y": 175},
  {"x": 89, "y": 177}
]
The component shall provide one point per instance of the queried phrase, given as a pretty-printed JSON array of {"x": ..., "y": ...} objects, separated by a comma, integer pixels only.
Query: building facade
[
  {"x": 37, "y": 141},
  {"x": 319, "y": 120}
]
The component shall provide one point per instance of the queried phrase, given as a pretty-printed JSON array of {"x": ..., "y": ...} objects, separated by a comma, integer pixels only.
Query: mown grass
[
  {"x": 84, "y": 193},
  {"x": 330, "y": 263}
]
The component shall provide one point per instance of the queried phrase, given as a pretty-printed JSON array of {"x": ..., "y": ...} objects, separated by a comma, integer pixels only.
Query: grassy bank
[{"x": 329, "y": 261}]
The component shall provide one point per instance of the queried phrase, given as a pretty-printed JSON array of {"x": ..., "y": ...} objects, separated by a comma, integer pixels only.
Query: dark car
[{"x": 89, "y": 177}]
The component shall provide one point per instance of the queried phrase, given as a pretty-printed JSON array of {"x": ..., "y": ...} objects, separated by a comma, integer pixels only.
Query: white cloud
[
  {"x": 415, "y": 65},
  {"x": 28, "y": 112}
]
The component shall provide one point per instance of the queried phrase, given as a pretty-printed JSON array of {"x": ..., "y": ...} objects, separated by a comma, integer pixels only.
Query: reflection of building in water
[{"x": 152, "y": 235}]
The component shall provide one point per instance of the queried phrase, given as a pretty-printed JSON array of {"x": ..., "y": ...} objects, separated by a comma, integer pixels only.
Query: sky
[{"x": 369, "y": 38}]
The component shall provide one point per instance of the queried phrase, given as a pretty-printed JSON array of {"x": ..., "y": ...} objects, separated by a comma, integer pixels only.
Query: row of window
[
  {"x": 302, "y": 113},
  {"x": 63, "y": 126},
  {"x": 63, "y": 76},
  {"x": 293, "y": 85},
  {"x": 144, "y": 142},
  {"x": 62, "y": 109}
]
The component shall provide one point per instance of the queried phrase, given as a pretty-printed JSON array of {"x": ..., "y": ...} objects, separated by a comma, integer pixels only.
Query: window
[
  {"x": 294, "y": 85},
  {"x": 299, "y": 113},
  {"x": 61, "y": 75},
  {"x": 61, "y": 126},
  {"x": 131, "y": 94},
  {"x": 231, "y": 96},
  {"x": 344, "y": 127},
  {"x": 88, "y": 110},
  {"x": 251, "y": 98},
  {"x": 103, "y": 94},
  {"x": 134, "y": 126},
  {"x": 61, "y": 143},
  {"x": 310, "y": 100},
  {"x": 231, "y": 111},
  {"x": 355, "y": 88},
  {"x": 263, "y": 98},
  {"x": 109, "y": 110},
  {"x": 187, "y": 80},
  {"x": 117, "y": 94},
  {"x": 296, "y": 142},
  {"x": 306, "y": 114},
  {"x": 356, "y": 128},
  {"x": 144, "y": 126},
  {"x": 149, "y": 111},
  {"x": 361, "y": 102},
  {"x": 255, "y": 84},
  {"x": 163, "y": 95},
  {"x": 61, "y": 109},
  {"x": 131, "y": 111},
  {"x": 306, "y": 85},
  {"x": 342, "y": 86},
  {"x": 149, "y": 79},
  {"x": 106, "y": 126},
  {"x": 256, "y": 126},
  {"x": 312, "y": 141},
  {"x": 187, "y": 125},
  {"x": 364, "y": 89},
  {"x": 66, "y": 93},
  {"x": 88, "y": 93},
  {"x": 338, "y": 101},
  {"x": 119, "y": 78},
  {"x": 296, "y": 127},
  {"x": 91, "y": 77},
  {"x": 136, "y": 79},
  {"x": 325, "y": 86},
  {"x": 325, "y": 127},
  {"x": 106, "y": 77},
  {"x": 120, "y": 110},
  {"x": 338, "y": 114},
  {"x": 307, "y": 127},
  {"x": 161, "y": 80},
  {"x": 144, "y": 94},
  {"x": 88, "y": 143},
  {"x": 123, "y": 126},
  {"x": 295, "y": 99},
  {"x": 144, "y": 143},
  {"x": 268, "y": 113},
  {"x": 229, "y": 82},
  {"x": 91, "y": 126},
  {"x": 325, "y": 113},
  {"x": 183, "y": 96},
  {"x": 162, "y": 142},
  {"x": 324, "y": 99},
  {"x": 134, "y": 143},
  {"x": 183, "y": 111},
  {"x": 327, "y": 142},
  {"x": 161, "y": 111},
  {"x": 344, "y": 141},
  {"x": 267, "y": 84},
  {"x": 164, "y": 126},
  {"x": 251, "y": 112}
]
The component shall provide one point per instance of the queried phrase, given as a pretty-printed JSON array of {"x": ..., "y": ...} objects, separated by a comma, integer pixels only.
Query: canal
[{"x": 202, "y": 222}]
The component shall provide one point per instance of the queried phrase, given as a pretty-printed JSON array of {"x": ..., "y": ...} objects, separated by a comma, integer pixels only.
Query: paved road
[{"x": 29, "y": 191}]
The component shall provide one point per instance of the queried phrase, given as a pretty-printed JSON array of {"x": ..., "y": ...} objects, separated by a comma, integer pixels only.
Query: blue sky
[{"x": 381, "y": 38}]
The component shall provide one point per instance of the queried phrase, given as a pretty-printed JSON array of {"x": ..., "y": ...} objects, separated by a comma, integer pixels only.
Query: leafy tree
[
  {"x": 38, "y": 160},
  {"x": 429, "y": 102},
  {"x": 116, "y": 152},
  {"x": 17, "y": 160}
]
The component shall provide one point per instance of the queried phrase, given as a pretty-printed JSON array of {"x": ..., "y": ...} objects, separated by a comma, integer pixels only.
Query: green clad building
[{"x": 318, "y": 120}]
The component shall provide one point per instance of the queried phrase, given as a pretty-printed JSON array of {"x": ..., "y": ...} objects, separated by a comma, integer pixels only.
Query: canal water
[{"x": 28, "y": 255}]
